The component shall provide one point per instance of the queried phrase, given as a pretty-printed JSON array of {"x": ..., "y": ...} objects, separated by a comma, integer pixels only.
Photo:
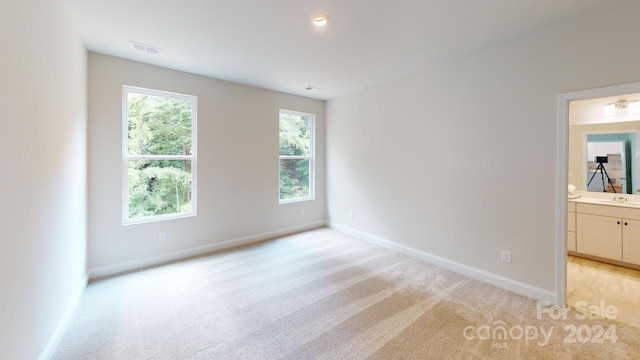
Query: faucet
[{"x": 619, "y": 198}]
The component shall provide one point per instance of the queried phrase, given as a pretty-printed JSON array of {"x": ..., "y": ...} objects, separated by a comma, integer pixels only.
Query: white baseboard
[
  {"x": 186, "y": 253},
  {"x": 54, "y": 340},
  {"x": 488, "y": 277}
]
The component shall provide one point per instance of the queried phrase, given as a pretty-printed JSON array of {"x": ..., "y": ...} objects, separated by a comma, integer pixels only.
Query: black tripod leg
[
  {"x": 592, "y": 176},
  {"x": 609, "y": 179}
]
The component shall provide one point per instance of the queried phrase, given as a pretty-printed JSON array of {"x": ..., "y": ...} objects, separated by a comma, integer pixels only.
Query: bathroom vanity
[{"x": 605, "y": 229}]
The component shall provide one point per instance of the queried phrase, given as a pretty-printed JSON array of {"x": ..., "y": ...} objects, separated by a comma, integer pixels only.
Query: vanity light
[
  {"x": 622, "y": 104},
  {"x": 632, "y": 106},
  {"x": 320, "y": 20}
]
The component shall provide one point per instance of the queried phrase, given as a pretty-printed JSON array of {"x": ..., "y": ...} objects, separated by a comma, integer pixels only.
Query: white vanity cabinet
[
  {"x": 609, "y": 232},
  {"x": 571, "y": 226},
  {"x": 631, "y": 241},
  {"x": 600, "y": 236}
]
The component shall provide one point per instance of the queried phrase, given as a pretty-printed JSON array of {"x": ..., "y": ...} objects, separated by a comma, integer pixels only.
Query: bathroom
[{"x": 603, "y": 239}]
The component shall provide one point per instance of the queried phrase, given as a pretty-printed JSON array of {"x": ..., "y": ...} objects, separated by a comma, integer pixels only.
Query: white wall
[
  {"x": 460, "y": 160},
  {"x": 237, "y": 164},
  {"x": 43, "y": 183}
]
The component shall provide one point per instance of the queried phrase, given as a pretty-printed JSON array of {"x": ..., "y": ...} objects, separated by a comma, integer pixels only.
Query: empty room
[{"x": 298, "y": 179}]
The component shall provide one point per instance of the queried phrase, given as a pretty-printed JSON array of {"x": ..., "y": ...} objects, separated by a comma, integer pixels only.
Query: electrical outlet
[
  {"x": 162, "y": 236},
  {"x": 506, "y": 256},
  {"x": 302, "y": 212},
  {"x": 351, "y": 215}
]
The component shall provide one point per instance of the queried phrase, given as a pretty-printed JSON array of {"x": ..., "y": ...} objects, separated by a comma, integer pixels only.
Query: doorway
[{"x": 613, "y": 150}]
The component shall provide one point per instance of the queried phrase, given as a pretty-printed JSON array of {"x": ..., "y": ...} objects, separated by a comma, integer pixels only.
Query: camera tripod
[{"x": 603, "y": 174}]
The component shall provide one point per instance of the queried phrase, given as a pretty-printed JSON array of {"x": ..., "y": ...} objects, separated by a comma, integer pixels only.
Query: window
[
  {"x": 296, "y": 156},
  {"x": 159, "y": 155}
]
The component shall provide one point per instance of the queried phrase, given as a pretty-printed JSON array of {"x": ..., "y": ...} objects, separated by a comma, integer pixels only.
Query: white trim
[
  {"x": 288, "y": 201},
  {"x": 186, "y": 253},
  {"x": 163, "y": 93},
  {"x": 156, "y": 218},
  {"x": 607, "y": 91},
  {"x": 561, "y": 201},
  {"x": 491, "y": 278},
  {"x": 55, "y": 338},
  {"x": 159, "y": 157},
  {"x": 193, "y": 157},
  {"x": 295, "y": 157},
  {"x": 562, "y": 142},
  {"x": 311, "y": 157}
]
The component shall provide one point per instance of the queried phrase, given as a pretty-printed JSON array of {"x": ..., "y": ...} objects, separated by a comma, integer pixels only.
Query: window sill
[
  {"x": 157, "y": 218},
  {"x": 289, "y": 201}
]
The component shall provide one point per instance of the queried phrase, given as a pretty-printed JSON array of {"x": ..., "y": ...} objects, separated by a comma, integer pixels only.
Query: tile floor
[{"x": 593, "y": 281}]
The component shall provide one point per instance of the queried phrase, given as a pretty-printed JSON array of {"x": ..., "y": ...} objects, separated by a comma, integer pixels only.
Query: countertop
[{"x": 605, "y": 200}]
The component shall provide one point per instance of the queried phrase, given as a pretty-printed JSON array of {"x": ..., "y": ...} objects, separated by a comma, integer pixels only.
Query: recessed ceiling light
[
  {"x": 312, "y": 89},
  {"x": 320, "y": 20}
]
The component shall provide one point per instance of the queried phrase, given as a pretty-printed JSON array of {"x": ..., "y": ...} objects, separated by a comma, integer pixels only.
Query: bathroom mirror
[
  {"x": 604, "y": 160},
  {"x": 609, "y": 163},
  {"x": 604, "y": 154}
]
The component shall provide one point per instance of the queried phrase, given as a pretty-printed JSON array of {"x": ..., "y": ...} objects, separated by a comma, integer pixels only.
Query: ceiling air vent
[{"x": 143, "y": 47}]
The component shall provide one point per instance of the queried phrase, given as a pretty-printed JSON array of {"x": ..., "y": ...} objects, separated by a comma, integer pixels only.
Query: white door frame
[{"x": 562, "y": 175}]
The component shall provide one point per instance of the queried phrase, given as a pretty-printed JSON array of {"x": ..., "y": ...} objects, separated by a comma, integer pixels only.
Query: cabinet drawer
[{"x": 611, "y": 211}]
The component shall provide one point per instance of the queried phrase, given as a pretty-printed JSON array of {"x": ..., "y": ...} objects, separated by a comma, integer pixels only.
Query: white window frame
[
  {"x": 126, "y": 157},
  {"x": 311, "y": 156}
]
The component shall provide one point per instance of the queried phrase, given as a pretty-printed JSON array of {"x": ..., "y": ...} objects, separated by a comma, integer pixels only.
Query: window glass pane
[
  {"x": 158, "y": 187},
  {"x": 294, "y": 134},
  {"x": 294, "y": 179},
  {"x": 159, "y": 125}
]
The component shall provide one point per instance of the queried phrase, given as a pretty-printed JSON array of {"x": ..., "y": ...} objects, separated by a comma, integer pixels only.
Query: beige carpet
[{"x": 321, "y": 295}]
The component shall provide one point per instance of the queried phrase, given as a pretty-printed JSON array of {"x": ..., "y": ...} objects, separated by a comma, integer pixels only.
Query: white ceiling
[{"x": 272, "y": 44}]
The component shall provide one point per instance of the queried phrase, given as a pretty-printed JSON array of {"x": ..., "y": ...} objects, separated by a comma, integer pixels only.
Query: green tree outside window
[
  {"x": 296, "y": 156},
  {"x": 159, "y": 154}
]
